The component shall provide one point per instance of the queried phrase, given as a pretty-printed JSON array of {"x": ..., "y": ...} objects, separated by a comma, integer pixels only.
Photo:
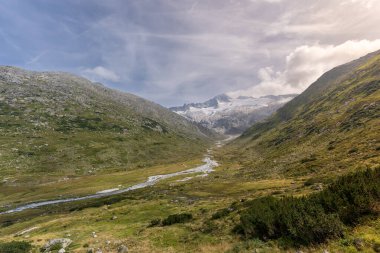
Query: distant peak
[{"x": 223, "y": 98}]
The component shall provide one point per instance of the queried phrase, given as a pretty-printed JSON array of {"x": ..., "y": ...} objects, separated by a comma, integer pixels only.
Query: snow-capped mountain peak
[{"x": 229, "y": 115}]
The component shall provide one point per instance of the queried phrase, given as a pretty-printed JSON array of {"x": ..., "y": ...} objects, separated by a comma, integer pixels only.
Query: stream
[{"x": 206, "y": 168}]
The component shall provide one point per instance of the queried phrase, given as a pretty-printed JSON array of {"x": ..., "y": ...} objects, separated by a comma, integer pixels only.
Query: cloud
[
  {"x": 173, "y": 52},
  {"x": 100, "y": 73},
  {"x": 305, "y": 64}
]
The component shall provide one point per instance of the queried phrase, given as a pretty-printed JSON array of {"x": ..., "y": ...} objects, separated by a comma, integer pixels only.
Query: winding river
[{"x": 204, "y": 169}]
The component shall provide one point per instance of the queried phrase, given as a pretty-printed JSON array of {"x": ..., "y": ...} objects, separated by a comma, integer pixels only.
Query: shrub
[
  {"x": 221, "y": 213},
  {"x": 298, "y": 219},
  {"x": 15, "y": 247},
  {"x": 155, "y": 222},
  {"x": 316, "y": 218},
  {"x": 177, "y": 218},
  {"x": 352, "y": 196}
]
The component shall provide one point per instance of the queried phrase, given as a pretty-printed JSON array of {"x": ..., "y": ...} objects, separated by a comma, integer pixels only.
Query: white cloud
[
  {"x": 100, "y": 73},
  {"x": 184, "y": 51},
  {"x": 366, "y": 3},
  {"x": 305, "y": 64}
]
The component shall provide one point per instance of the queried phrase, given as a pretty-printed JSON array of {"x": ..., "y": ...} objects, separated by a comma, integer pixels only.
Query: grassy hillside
[
  {"x": 331, "y": 128},
  {"x": 57, "y": 124},
  {"x": 284, "y": 186}
]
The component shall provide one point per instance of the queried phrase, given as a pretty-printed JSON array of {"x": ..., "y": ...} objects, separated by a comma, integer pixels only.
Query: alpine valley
[{"x": 85, "y": 168}]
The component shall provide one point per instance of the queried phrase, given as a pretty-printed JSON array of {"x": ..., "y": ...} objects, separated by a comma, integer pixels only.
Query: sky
[{"x": 179, "y": 51}]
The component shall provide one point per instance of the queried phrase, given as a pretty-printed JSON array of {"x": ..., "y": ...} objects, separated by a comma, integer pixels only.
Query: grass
[
  {"x": 323, "y": 132},
  {"x": 56, "y": 126},
  {"x": 201, "y": 197},
  {"x": 331, "y": 136},
  {"x": 136, "y": 212},
  {"x": 318, "y": 217},
  {"x": 84, "y": 185}
]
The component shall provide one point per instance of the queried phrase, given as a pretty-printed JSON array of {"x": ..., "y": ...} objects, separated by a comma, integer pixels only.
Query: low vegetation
[
  {"x": 308, "y": 180},
  {"x": 15, "y": 247},
  {"x": 315, "y": 218},
  {"x": 56, "y": 125},
  {"x": 177, "y": 218}
]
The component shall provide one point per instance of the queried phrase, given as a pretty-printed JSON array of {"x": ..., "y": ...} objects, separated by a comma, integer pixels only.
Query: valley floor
[{"x": 129, "y": 218}]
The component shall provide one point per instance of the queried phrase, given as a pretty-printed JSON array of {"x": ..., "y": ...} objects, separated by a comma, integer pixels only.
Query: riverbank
[{"x": 202, "y": 170}]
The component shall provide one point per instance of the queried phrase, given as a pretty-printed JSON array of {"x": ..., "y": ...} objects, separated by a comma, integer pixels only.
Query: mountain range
[{"x": 232, "y": 116}]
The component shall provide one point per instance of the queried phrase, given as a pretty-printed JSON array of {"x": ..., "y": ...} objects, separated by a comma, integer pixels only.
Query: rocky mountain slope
[
  {"x": 249, "y": 203},
  {"x": 332, "y": 127},
  {"x": 58, "y": 123},
  {"x": 232, "y": 116}
]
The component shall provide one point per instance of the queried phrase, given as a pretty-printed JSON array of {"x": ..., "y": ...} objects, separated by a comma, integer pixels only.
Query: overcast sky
[{"x": 177, "y": 51}]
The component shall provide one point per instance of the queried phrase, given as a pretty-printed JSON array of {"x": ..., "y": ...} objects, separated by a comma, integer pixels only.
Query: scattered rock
[
  {"x": 325, "y": 251},
  {"x": 94, "y": 235},
  {"x": 99, "y": 251},
  {"x": 61, "y": 251},
  {"x": 64, "y": 242},
  {"x": 114, "y": 217},
  {"x": 358, "y": 243},
  {"x": 108, "y": 242},
  {"x": 90, "y": 250},
  {"x": 122, "y": 249},
  {"x": 317, "y": 187}
]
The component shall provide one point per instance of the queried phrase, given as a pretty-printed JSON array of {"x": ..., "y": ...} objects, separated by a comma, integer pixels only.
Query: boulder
[
  {"x": 64, "y": 242},
  {"x": 122, "y": 249}
]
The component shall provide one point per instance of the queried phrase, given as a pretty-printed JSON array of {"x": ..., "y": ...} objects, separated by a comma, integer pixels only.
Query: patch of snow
[{"x": 232, "y": 115}]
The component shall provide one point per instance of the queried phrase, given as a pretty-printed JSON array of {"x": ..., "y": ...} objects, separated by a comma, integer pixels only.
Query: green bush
[
  {"x": 352, "y": 196},
  {"x": 221, "y": 213},
  {"x": 316, "y": 218},
  {"x": 177, "y": 218},
  {"x": 155, "y": 222},
  {"x": 15, "y": 247}
]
